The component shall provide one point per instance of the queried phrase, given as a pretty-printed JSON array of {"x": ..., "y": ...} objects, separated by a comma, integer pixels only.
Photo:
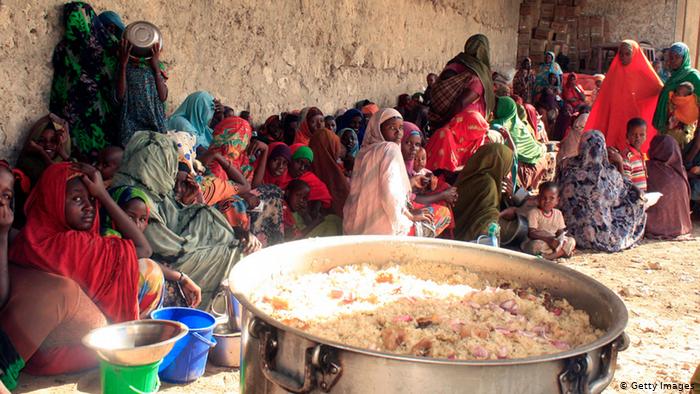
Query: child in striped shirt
[{"x": 633, "y": 160}]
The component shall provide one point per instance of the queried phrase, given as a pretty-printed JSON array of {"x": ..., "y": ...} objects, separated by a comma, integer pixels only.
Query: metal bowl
[
  {"x": 143, "y": 35},
  {"x": 135, "y": 343},
  {"x": 227, "y": 352}
]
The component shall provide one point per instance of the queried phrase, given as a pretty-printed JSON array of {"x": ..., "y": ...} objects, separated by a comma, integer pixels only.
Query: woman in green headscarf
[
  {"x": 533, "y": 162},
  {"x": 84, "y": 65},
  {"x": 464, "y": 84},
  {"x": 681, "y": 71},
  {"x": 479, "y": 188},
  {"x": 195, "y": 239}
]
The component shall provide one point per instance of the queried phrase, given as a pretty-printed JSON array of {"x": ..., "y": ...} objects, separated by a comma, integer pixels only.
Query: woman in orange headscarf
[
  {"x": 311, "y": 121},
  {"x": 327, "y": 149},
  {"x": 630, "y": 89}
]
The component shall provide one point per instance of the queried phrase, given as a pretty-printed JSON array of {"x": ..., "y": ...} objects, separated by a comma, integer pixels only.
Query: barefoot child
[{"x": 546, "y": 234}]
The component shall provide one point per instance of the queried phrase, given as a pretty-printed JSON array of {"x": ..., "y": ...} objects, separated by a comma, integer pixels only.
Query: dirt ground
[{"x": 659, "y": 282}]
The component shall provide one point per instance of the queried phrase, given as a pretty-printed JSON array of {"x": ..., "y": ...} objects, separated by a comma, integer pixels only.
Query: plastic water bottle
[{"x": 494, "y": 233}]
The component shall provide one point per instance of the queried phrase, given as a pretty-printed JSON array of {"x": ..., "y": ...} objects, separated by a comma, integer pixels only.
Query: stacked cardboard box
[{"x": 557, "y": 26}]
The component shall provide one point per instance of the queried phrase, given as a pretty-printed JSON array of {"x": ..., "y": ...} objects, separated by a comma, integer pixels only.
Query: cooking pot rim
[{"x": 612, "y": 333}]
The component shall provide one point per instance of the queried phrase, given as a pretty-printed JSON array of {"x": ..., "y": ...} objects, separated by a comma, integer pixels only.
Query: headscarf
[
  {"x": 303, "y": 133},
  {"x": 277, "y": 149},
  {"x": 370, "y": 109},
  {"x": 326, "y": 149},
  {"x": 231, "y": 138},
  {"x": 670, "y": 216},
  {"x": 196, "y": 239},
  {"x": 112, "y": 18},
  {"x": 410, "y": 130},
  {"x": 303, "y": 152},
  {"x": 105, "y": 268},
  {"x": 602, "y": 209},
  {"x": 627, "y": 92},
  {"x": 380, "y": 189},
  {"x": 533, "y": 120},
  {"x": 479, "y": 190},
  {"x": 548, "y": 68},
  {"x": 343, "y": 121},
  {"x": 193, "y": 116},
  {"x": 356, "y": 146},
  {"x": 476, "y": 58},
  {"x": 121, "y": 195},
  {"x": 528, "y": 150},
  {"x": 599, "y": 77},
  {"x": 685, "y": 73},
  {"x": 33, "y": 165}
]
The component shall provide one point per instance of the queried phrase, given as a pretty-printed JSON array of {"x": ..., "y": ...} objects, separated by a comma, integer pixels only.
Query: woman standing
[
  {"x": 602, "y": 209},
  {"x": 524, "y": 81},
  {"x": 380, "y": 189},
  {"x": 84, "y": 65},
  {"x": 629, "y": 90},
  {"x": 464, "y": 84}
]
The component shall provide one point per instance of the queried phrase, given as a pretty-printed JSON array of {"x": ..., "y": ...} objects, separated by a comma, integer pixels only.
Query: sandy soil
[{"x": 657, "y": 280}]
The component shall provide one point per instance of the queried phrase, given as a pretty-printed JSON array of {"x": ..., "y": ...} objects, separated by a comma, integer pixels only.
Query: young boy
[
  {"x": 546, "y": 228},
  {"x": 108, "y": 163},
  {"x": 633, "y": 160}
]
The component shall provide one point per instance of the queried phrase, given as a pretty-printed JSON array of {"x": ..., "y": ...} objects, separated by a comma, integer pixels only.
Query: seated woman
[
  {"x": 193, "y": 116},
  {"x": 480, "y": 191},
  {"x": 195, "y": 239},
  {"x": 137, "y": 206},
  {"x": 348, "y": 138},
  {"x": 327, "y": 151},
  {"x": 232, "y": 141},
  {"x": 277, "y": 164},
  {"x": 670, "y": 216},
  {"x": 49, "y": 142},
  {"x": 534, "y": 164},
  {"x": 44, "y": 316},
  {"x": 62, "y": 237},
  {"x": 573, "y": 93},
  {"x": 437, "y": 199},
  {"x": 451, "y": 146},
  {"x": 311, "y": 122},
  {"x": 603, "y": 210},
  {"x": 380, "y": 188},
  {"x": 142, "y": 92},
  {"x": 297, "y": 222}
]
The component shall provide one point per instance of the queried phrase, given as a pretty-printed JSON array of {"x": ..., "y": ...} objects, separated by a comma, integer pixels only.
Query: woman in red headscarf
[
  {"x": 327, "y": 149},
  {"x": 311, "y": 122},
  {"x": 62, "y": 236},
  {"x": 630, "y": 90}
]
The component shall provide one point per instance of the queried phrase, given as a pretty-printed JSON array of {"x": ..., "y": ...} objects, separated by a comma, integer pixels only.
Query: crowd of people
[{"x": 115, "y": 209}]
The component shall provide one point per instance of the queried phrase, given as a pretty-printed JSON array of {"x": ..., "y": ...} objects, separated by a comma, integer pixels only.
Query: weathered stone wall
[
  {"x": 641, "y": 20},
  {"x": 262, "y": 55}
]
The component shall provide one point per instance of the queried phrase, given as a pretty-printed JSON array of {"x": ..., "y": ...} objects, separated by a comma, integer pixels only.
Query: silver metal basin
[{"x": 135, "y": 343}]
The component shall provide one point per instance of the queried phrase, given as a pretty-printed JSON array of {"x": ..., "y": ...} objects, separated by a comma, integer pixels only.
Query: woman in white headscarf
[{"x": 380, "y": 191}]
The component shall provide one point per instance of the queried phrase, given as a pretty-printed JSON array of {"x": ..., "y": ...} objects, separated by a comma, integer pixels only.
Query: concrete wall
[
  {"x": 640, "y": 20},
  {"x": 263, "y": 55}
]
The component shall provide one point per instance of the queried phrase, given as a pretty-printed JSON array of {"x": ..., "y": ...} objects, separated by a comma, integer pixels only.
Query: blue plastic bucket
[{"x": 188, "y": 358}]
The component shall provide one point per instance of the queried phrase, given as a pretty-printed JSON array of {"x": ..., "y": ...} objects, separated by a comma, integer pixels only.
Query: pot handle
[
  {"x": 575, "y": 377},
  {"x": 321, "y": 367},
  {"x": 268, "y": 350},
  {"x": 211, "y": 343},
  {"x": 213, "y": 302},
  {"x": 608, "y": 363}
]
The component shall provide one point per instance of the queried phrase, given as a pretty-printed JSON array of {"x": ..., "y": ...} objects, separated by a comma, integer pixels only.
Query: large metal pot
[{"x": 278, "y": 359}]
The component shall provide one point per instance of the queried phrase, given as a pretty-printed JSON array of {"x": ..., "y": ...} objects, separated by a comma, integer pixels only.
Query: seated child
[
  {"x": 631, "y": 162},
  {"x": 684, "y": 113},
  {"x": 298, "y": 223},
  {"x": 546, "y": 234},
  {"x": 108, "y": 163},
  {"x": 181, "y": 290},
  {"x": 419, "y": 169}
]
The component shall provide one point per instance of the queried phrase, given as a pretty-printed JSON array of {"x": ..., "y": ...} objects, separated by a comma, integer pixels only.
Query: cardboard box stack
[{"x": 557, "y": 25}]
